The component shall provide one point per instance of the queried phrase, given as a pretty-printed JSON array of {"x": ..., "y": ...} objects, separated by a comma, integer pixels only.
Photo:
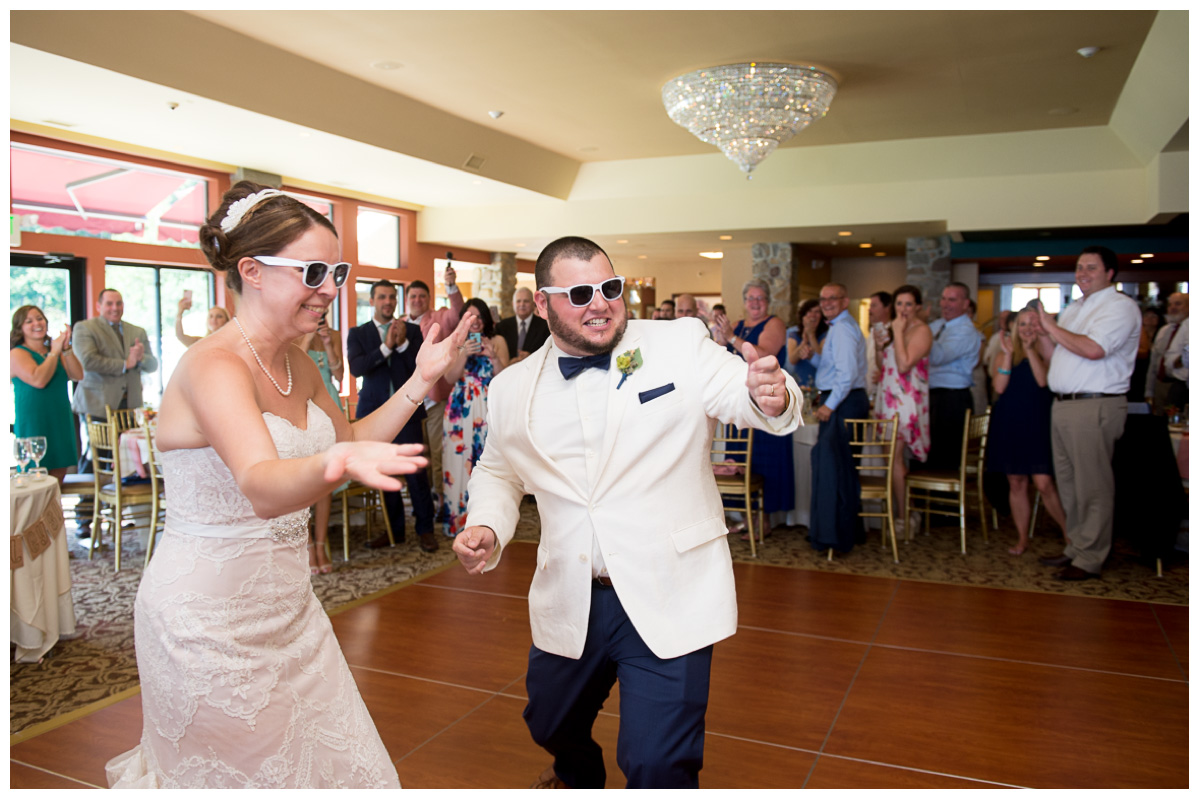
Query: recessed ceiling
[{"x": 584, "y": 85}]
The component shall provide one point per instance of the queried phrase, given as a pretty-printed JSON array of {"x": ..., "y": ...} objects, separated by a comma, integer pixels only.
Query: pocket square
[{"x": 650, "y": 394}]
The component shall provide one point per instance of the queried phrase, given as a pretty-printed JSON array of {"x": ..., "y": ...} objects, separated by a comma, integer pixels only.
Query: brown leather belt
[
  {"x": 1085, "y": 396},
  {"x": 603, "y": 581}
]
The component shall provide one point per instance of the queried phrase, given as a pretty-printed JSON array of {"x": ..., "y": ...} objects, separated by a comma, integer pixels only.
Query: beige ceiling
[
  {"x": 587, "y": 84},
  {"x": 584, "y": 135}
]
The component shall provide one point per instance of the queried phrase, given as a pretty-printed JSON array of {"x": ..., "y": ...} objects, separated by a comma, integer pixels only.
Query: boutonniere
[{"x": 628, "y": 362}]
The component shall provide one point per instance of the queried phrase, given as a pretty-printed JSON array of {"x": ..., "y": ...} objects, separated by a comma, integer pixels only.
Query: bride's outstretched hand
[
  {"x": 434, "y": 359},
  {"x": 373, "y": 463}
]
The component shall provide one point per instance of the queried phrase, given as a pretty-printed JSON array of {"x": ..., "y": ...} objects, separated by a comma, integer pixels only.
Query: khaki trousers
[
  {"x": 1083, "y": 434},
  {"x": 433, "y": 438}
]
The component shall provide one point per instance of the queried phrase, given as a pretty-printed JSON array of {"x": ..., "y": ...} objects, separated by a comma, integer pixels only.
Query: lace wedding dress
[{"x": 243, "y": 682}]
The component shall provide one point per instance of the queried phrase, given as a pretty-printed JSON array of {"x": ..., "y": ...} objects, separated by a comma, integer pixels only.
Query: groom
[{"x": 634, "y": 581}]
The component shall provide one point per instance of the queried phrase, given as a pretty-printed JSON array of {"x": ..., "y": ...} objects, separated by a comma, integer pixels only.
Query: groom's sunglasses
[
  {"x": 581, "y": 294},
  {"x": 315, "y": 272}
]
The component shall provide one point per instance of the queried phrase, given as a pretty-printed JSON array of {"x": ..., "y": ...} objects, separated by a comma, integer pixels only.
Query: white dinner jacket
[{"x": 654, "y": 508}]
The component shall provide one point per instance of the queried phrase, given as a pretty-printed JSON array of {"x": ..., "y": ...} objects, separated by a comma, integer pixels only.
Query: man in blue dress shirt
[
  {"x": 953, "y": 356},
  {"x": 841, "y": 381}
]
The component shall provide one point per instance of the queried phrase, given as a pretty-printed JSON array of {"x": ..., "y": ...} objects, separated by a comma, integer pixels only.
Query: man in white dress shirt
[
  {"x": 1166, "y": 378},
  {"x": 1091, "y": 349},
  {"x": 610, "y": 428}
]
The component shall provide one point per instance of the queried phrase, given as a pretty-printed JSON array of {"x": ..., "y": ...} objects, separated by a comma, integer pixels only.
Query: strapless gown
[{"x": 243, "y": 682}]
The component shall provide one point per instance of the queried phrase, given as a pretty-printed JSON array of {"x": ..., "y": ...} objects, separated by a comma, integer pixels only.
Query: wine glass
[
  {"x": 37, "y": 451},
  {"x": 21, "y": 453}
]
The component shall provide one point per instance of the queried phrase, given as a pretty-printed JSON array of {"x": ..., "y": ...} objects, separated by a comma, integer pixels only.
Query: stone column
[
  {"x": 929, "y": 270},
  {"x": 775, "y": 263},
  {"x": 497, "y": 281}
]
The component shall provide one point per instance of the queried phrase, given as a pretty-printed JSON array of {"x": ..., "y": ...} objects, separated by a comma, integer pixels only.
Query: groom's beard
[{"x": 577, "y": 341}]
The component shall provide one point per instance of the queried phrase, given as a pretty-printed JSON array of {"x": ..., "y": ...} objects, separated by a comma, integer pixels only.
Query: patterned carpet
[{"x": 99, "y": 663}]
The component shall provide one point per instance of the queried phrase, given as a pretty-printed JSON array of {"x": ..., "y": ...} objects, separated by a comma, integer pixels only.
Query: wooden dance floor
[{"x": 832, "y": 681}]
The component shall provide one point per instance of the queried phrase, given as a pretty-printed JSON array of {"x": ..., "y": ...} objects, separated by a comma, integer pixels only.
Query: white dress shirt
[
  {"x": 567, "y": 419},
  {"x": 1111, "y": 320}
]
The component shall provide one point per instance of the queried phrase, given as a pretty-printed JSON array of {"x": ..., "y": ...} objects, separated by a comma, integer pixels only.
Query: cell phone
[
  {"x": 187, "y": 295},
  {"x": 475, "y": 337}
]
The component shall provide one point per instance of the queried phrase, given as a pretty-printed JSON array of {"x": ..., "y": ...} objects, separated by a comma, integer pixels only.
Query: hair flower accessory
[
  {"x": 628, "y": 362},
  {"x": 239, "y": 208}
]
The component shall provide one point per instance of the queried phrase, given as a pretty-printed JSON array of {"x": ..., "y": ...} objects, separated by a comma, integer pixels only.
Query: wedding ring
[{"x": 461, "y": 348}]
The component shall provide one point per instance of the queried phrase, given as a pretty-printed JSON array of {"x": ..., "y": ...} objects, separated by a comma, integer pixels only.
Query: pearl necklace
[{"x": 286, "y": 361}]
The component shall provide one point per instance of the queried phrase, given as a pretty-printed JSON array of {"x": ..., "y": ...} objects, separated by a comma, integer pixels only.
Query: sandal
[{"x": 313, "y": 569}]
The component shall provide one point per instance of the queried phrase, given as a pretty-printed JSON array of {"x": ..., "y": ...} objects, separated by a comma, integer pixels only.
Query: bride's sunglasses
[
  {"x": 315, "y": 272},
  {"x": 581, "y": 294}
]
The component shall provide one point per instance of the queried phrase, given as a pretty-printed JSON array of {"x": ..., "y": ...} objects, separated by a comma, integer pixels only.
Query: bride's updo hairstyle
[{"x": 254, "y": 220}]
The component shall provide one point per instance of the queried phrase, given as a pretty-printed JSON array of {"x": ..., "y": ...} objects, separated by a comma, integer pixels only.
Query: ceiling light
[
  {"x": 622, "y": 241},
  {"x": 495, "y": 114},
  {"x": 725, "y": 238},
  {"x": 641, "y": 256},
  {"x": 520, "y": 244},
  {"x": 749, "y": 109},
  {"x": 865, "y": 245},
  {"x": 716, "y": 254},
  {"x": 1088, "y": 52},
  {"x": 1135, "y": 261},
  {"x": 845, "y": 233},
  {"x": 1043, "y": 258},
  {"x": 881, "y": 253},
  {"x": 1147, "y": 255},
  {"x": 387, "y": 65}
]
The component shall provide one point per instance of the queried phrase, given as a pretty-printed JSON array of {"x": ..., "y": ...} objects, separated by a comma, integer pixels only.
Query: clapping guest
[
  {"x": 217, "y": 317},
  {"x": 803, "y": 340},
  {"x": 1019, "y": 431},
  {"x": 465, "y": 427},
  {"x": 903, "y": 362},
  {"x": 40, "y": 368}
]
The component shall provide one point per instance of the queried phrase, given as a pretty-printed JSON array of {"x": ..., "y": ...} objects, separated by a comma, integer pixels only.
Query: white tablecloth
[
  {"x": 41, "y": 610},
  {"x": 803, "y": 440}
]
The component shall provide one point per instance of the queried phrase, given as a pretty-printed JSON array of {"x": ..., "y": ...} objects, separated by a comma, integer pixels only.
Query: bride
[{"x": 243, "y": 682}]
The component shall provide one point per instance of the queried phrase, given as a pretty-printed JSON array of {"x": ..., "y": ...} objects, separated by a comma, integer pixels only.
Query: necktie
[
  {"x": 1162, "y": 365},
  {"x": 117, "y": 330},
  {"x": 938, "y": 335},
  {"x": 521, "y": 335},
  {"x": 573, "y": 366}
]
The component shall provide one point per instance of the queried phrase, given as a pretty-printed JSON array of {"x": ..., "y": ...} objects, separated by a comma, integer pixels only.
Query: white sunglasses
[
  {"x": 315, "y": 272},
  {"x": 581, "y": 294}
]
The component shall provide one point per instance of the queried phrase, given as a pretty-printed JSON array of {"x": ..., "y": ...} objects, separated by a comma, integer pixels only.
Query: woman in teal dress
[
  {"x": 325, "y": 348},
  {"x": 40, "y": 368}
]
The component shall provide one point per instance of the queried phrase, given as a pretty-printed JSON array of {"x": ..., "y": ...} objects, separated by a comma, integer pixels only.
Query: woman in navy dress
[
  {"x": 772, "y": 456},
  {"x": 1019, "y": 432}
]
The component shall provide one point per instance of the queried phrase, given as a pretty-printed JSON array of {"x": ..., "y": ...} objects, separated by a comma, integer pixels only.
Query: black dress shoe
[
  {"x": 1074, "y": 573},
  {"x": 428, "y": 542},
  {"x": 1056, "y": 561},
  {"x": 380, "y": 541}
]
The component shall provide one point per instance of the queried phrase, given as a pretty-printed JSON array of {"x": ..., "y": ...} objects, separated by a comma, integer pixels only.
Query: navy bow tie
[{"x": 573, "y": 366}]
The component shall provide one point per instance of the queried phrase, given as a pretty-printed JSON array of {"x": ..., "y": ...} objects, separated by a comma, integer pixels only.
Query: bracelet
[
  {"x": 1004, "y": 372},
  {"x": 409, "y": 399}
]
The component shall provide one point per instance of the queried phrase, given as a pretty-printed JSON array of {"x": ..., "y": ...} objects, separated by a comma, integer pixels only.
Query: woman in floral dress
[
  {"x": 465, "y": 428},
  {"x": 904, "y": 384}
]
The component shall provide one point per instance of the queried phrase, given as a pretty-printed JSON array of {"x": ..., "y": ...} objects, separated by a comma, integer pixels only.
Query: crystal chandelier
[{"x": 748, "y": 110}]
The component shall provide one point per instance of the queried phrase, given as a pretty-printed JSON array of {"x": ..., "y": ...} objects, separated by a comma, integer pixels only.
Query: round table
[{"x": 41, "y": 609}]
